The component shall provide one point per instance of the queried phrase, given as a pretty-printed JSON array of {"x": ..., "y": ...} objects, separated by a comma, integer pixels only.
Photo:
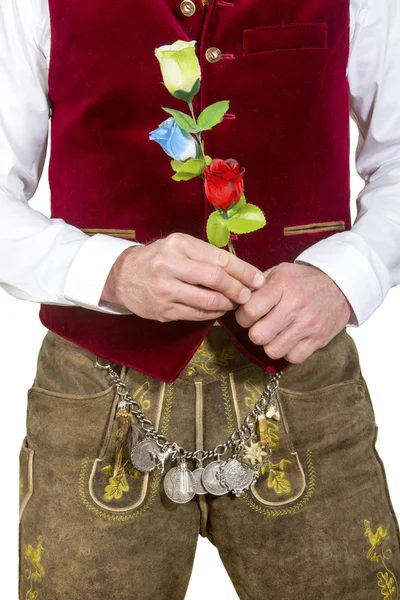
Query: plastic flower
[
  {"x": 174, "y": 141},
  {"x": 180, "y": 69},
  {"x": 223, "y": 182}
]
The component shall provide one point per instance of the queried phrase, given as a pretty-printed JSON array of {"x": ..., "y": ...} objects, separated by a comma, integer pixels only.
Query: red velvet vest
[{"x": 283, "y": 68}]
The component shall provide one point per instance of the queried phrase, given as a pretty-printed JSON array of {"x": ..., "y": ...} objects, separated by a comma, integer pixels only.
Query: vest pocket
[
  {"x": 25, "y": 476},
  {"x": 289, "y": 36}
]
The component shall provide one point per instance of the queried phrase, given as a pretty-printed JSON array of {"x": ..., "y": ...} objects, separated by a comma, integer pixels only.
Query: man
[{"x": 130, "y": 292}]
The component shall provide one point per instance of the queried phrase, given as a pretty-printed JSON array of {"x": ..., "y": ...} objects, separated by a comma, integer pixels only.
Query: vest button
[
  {"x": 213, "y": 55},
  {"x": 188, "y": 8}
]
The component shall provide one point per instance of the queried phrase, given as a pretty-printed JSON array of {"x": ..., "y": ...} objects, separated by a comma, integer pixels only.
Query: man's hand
[
  {"x": 298, "y": 310},
  {"x": 180, "y": 278}
]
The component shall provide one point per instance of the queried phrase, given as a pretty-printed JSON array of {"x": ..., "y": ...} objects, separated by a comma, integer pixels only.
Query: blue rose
[{"x": 177, "y": 143}]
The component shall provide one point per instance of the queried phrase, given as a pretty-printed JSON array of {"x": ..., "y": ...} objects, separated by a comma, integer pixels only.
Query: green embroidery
[
  {"x": 273, "y": 434},
  {"x": 118, "y": 485},
  {"x": 34, "y": 572},
  {"x": 254, "y": 392},
  {"x": 140, "y": 395},
  {"x": 379, "y": 553},
  {"x": 277, "y": 479},
  {"x": 281, "y": 512},
  {"x": 210, "y": 363},
  {"x": 227, "y": 403}
]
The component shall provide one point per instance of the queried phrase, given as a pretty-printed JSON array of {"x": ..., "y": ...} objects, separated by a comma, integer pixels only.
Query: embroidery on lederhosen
[
  {"x": 210, "y": 362},
  {"x": 277, "y": 477},
  {"x": 379, "y": 553},
  {"x": 282, "y": 479},
  {"x": 34, "y": 571}
]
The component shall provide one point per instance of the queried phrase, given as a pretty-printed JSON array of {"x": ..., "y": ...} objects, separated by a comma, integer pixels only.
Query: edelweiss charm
[{"x": 253, "y": 454}]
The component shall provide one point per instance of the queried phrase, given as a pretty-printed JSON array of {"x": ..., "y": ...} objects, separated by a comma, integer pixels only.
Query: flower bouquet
[{"x": 180, "y": 136}]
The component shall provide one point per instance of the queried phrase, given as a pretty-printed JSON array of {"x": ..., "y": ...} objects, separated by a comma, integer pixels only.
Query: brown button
[
  {"x": 213, "y": 55},
  {"x": 188, "y": 8}
]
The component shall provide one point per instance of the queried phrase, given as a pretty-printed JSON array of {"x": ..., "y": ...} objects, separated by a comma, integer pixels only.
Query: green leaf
[
  {"x": 217, "y": 230},
  {"x": 247, "y": 219},
  {"x": 285, "y": 464},
  {"x": 189, "y": 169},
  {"x": 212, "y": 115},
  {"x": 241, "y": 202},
  {"x": 208, "y": 160},
  {"x": 184, "y": 121},
  {"x": 176, "y": 164},
  {"x": 278, "y": 481}
]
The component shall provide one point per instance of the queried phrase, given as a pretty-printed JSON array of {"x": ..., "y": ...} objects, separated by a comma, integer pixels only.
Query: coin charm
[
  {"x": 211, "y": 478},
  {"x": 198, "y": 473},
  {"x": 180, "y": 484},
  {"x": 143, "y": 455},
  {"x": 237, "y": 476}
]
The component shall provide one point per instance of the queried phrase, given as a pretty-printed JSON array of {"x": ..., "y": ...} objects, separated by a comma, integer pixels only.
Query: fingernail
[
  {"x": 244, "y": 295},
  {"x": 258, "y": 279}
]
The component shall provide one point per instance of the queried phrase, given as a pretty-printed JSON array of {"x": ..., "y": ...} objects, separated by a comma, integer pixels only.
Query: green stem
[
  {"x": 231, "y": 248},
  {"x": 198, "y": 135}
]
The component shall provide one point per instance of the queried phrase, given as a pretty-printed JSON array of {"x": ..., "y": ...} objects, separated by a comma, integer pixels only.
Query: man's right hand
[{"x": 180, "y": 277}]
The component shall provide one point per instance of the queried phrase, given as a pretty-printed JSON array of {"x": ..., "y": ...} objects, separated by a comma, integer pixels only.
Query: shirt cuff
[
  {"x": 351, "y": 272},
  {"x": 89, "y": 272}
]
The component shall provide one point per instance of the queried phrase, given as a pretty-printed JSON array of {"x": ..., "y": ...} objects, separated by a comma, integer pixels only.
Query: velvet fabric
[{"x": 283, "y": 68}]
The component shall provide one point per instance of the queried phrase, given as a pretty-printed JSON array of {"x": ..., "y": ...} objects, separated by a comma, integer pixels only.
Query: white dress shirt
[{"x": 50, "y": 261}]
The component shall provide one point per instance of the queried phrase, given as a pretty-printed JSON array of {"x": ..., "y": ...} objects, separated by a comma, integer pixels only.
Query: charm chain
[{"x": 199, "y": 455}]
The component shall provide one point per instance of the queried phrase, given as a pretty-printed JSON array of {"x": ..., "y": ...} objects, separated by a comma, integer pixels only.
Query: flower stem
[
  {"x": 198, "y": 135},
  {"x": 231, "y": 248}
]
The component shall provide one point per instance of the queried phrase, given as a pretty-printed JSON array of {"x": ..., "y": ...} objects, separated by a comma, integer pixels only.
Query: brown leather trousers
[{"x": 317, "y": 524}]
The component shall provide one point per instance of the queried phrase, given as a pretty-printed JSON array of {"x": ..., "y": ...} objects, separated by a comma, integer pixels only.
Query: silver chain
[{"x": 219, "y": 450}]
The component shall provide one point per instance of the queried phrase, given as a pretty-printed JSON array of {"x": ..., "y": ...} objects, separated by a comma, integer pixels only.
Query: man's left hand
[{"x": 298, "y": 310}]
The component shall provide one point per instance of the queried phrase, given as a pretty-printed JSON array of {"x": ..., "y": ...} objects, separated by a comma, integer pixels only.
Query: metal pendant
[
  {"x": 211, "y": 478},
  {"x": 238, "y": 476},
  {"x": 200, "y": 489},
  {"x": 253, "y": 454},
  {"x": 180, "y": 484},
  {"x": 143, "y": 455}
]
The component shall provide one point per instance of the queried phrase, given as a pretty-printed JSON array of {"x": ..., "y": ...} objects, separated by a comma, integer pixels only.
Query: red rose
[{"x": 223, "y": 182}]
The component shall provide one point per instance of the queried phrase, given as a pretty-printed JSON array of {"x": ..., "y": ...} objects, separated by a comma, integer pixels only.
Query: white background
[{"x": 377, "y": 341}]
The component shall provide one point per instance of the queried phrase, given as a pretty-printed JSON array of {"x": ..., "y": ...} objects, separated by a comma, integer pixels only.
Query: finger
[
  {"x": 275, "y": 323},
  {"x": 212, "y": 277},
  {"x": 241, "y": 270},
  {"x": 181, "y": 312},
  {"x": 261, "y": 303},
  {"x": 302, "y": 350},
  {"x": 201, "y": 298},
  {"x": 284, "y": 342}
]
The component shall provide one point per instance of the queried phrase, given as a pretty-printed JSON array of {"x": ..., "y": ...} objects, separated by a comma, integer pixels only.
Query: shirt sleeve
[
  {"x": 365, "y": 260},
  {"x": 41, "y": 259}
]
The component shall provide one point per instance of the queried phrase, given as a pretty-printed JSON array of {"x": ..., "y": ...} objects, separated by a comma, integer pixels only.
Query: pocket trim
[
  {"x": 123, "y": 233},
  {"x": 314, "y": 227},
  {"x": 282, "y": 512},
  {"x": 320, "y": 26},
  {"x": 292, "y": 451},
  {"x": 322, "y": 391},
  {"x": 145, "y": 483},
  {"x": 95, "y": 505},
  {"x": 77, "y": 397},
  {"x": 30, "y": 453}
]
